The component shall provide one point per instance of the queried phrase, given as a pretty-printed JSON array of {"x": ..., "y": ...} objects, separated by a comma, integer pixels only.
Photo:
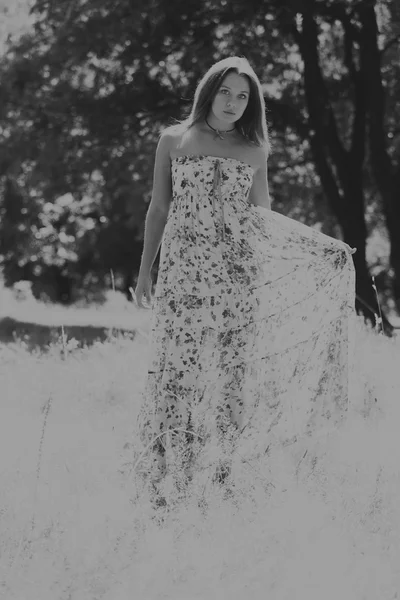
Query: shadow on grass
[{"x": 38, "y": 336}]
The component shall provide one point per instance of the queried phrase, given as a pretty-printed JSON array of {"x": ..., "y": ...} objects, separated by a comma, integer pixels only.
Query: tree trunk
[
  {"x": 344, "y": 189},
  {"x": 381, "y": 163}
]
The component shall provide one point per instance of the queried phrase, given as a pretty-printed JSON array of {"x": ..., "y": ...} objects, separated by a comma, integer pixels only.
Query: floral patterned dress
[{"x": 252, "y": 313}]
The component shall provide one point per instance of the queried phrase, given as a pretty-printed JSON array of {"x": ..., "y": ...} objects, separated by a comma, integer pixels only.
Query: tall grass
[{"x": 318, "y": 518}]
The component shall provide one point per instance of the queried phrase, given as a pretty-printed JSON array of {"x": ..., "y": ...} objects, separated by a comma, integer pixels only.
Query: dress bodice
[
  {"x": 201, "y": 173},
  {"x": 219, "y": 178}
]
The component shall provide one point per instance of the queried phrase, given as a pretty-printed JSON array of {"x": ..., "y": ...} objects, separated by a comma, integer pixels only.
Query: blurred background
[{"x": 87, "y": 86}]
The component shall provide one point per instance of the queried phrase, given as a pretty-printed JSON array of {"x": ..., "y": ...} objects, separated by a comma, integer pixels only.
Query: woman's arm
[
  {"x": 259, "y": 192},
  {"x": 162, "y": 182},
  {"x": 157, "y": 212}
]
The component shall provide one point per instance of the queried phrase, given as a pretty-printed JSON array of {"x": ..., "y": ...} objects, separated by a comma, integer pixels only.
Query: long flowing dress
[{"x": 252, "y": 313}]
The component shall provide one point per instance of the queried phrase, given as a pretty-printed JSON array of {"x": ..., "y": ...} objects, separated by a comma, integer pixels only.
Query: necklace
[{"x": 218, "y": 132}]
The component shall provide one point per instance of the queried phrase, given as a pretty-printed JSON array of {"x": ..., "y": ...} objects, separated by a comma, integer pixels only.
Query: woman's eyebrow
[{"x": 227, "y": 86}]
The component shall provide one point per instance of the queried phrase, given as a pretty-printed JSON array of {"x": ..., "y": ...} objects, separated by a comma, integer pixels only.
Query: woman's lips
[{"x": 228, "y": 113}]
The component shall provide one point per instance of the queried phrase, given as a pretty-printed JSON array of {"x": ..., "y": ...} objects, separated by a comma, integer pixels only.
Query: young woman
[{"x": 251, "y": 309}]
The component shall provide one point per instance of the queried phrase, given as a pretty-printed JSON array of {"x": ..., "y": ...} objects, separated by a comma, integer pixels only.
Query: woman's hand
[
  {"x": 143, "y": 286},
  {"x": 349, "y": 248}
]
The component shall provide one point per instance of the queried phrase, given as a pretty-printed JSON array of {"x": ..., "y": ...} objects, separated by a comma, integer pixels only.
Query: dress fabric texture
[{"x": 252, "y": 315}]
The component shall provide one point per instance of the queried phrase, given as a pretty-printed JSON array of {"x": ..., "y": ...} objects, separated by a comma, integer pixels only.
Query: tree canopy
[{"x": 85, "y": 93}]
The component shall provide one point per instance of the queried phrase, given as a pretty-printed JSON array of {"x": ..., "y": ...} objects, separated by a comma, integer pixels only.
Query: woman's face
[{"x": 231, "y": 98}]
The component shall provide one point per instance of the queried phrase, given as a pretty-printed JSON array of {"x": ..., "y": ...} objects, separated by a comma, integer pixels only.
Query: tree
[
  {"x": 385, "y": 161},
  {"x": 83, "y": 100},
  {"x": 328, "y": 107}
]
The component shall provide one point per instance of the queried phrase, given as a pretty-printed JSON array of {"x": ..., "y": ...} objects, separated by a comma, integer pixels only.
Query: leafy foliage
[{"x": 85, "y": 94}]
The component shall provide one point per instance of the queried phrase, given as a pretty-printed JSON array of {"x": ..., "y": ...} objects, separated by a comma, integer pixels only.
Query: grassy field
[{"x": 319, "y": 518}]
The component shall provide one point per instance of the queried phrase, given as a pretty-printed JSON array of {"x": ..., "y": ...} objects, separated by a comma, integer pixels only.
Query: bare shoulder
[
  {"x": 260, "y": 157},
  {"x": 167, "y": 137},
  {"x": 171, "y": 138},
  {"x": 256, "y": 156}
]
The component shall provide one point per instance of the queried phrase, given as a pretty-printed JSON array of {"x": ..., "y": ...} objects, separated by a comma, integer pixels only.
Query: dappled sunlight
[{"x": 303, "y": 520}]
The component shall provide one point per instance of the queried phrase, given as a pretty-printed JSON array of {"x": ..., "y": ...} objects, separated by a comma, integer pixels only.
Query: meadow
[{"x": 319, "y": 518}]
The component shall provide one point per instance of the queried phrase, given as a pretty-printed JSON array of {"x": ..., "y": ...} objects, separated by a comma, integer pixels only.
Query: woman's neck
[
  {"x": 211, "y": 128},
  {"x": 219, "y": 124}
]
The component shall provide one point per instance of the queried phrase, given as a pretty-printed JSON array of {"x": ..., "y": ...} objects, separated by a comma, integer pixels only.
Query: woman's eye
[{"x": 242, "y": 96}]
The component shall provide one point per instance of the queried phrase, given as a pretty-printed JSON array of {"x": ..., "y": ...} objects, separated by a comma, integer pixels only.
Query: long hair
[{"x": 253, "y": 123}]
